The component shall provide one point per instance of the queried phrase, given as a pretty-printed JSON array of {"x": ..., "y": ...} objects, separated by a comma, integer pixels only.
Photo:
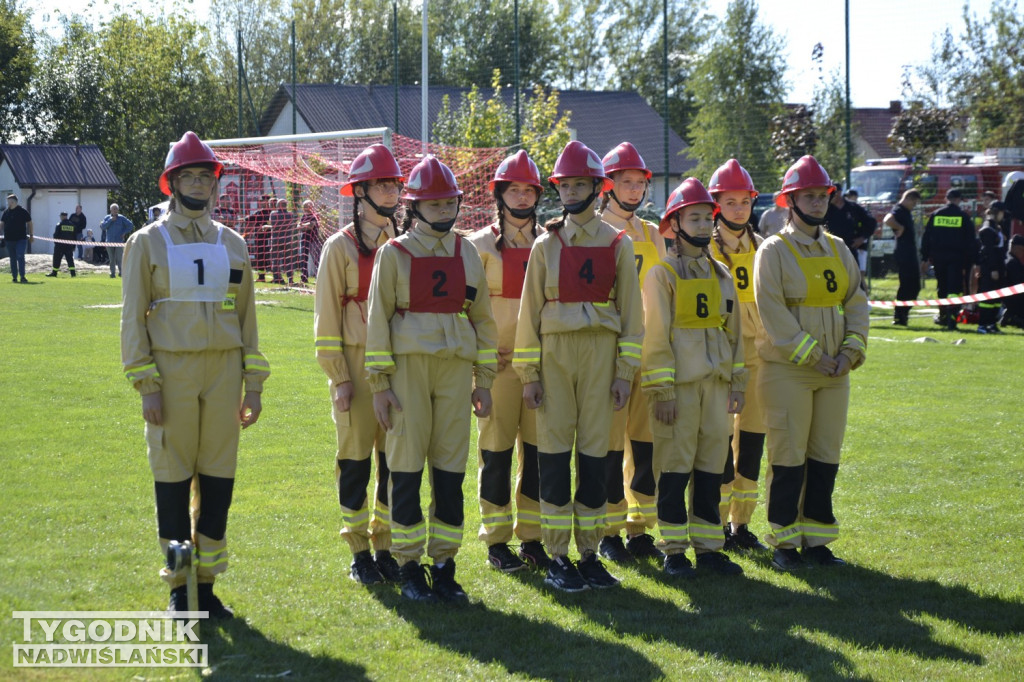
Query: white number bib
[{"x": 197, "y": 272}]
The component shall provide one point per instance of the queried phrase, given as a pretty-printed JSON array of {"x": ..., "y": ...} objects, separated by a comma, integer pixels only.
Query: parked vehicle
[{"x": 881, "y": 182}]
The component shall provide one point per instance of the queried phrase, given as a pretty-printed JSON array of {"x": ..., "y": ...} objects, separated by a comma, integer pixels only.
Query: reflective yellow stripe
[
  {"x": 134, "y": 374},
  {"x": 385, "y": 361},
  {"x": 702, "y": 530},
  {"x": 589, "y": 522},
  {"x": 672, "y": 531},
  {"x": 252, "y": 362},
  {"x": 815, "y": 530},
  {"x": 664, "y": 375},
  {"x": 787, "y": 533}
]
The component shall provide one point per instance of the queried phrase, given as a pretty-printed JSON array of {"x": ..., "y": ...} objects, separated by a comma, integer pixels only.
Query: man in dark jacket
[
  {"x": 991, "y": 266},
  {"x": 1014, "y": 313},
  {"x": 948, "y": 238},
  {"x": 852, "y": 223},
  {"x": 901, "y": 220}
]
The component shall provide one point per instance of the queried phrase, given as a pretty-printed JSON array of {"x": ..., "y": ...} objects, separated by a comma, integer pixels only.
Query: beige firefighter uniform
[
  {"x": 631, "y": 498},
  {"x": 188, "y": 331},
  {"x": 339, "y": 330},
  {"x": 510, "y": 422},
  {"x": 430, "y": 337},
  {"x": 810, "y": 301},
  {"x": 692, "y": 354},
  {"x": 580, "y": 327},
  {"x": 739, "y": 495}
]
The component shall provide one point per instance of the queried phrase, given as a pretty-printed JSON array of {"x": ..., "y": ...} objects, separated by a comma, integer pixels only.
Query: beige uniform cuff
[
  {"x": 660, "y": 395},
  {"x": 147, "y": 386},
  {"x": 378, "y": 382},
  {"x": 624, "y": 371}
]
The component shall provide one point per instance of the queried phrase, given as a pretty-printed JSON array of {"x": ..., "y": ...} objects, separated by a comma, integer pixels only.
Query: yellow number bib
[
  {"x": 698, "y": 301},
  {"x": 742, "y": 270},
  {"x": 827, "y": 279}
]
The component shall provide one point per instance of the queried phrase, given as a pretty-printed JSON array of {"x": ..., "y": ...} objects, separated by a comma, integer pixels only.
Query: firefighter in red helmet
[
  {"x": 734, "y": 244},
  {"x": 694, "y": 376},
  {"x": 814, "y": 316},
  {"x": 504, "y": 248},
  {"x": 430, "y": 346},
  {"x": 577, "y": 348},
  {"x": 339, "y": 330},
  {"x": 631, "y": 479},
  {"x": 189, "y": 345}
]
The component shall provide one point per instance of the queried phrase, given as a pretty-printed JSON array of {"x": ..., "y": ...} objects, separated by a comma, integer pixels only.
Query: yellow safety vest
[
  {"x": 698, "y": 301},
  {"x": 741, "y": 268}
]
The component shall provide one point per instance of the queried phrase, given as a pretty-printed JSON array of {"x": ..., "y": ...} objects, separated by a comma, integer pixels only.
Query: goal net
[{"x": 267, "y": 182}]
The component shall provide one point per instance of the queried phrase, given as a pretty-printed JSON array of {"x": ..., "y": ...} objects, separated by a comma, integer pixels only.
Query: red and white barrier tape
[
  {"x": 83, "y": 244},
  {"x": 958, "y": 300}
]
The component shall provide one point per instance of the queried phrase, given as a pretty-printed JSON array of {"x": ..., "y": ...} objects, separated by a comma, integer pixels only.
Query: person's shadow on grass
[
  {"x": 237, "y": 650},
  {"x": 521, "y": 645}
]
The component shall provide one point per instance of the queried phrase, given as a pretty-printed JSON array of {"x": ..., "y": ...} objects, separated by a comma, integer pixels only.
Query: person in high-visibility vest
[
  {"x": 431, "y": 345},
  {"x": 577, "y": 348},
  {"x": 733, "y": 244},
  {"x": 504, "y": 248},
  {"x": 631, "y": 477},
  {"x": 814, "y": 317},
  {"x": 190, "y": 347},
  {"x": 339, "y": 329},
  {"x": 694, "y": 376}
]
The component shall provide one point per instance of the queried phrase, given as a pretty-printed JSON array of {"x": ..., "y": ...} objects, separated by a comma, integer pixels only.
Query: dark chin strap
[
  {"x": 580, "y": 206},
  {"x": 383, "y": 211},
  {"x": 628, "y": 208},
  {"x": 192, "y": 204},
  {"x": 735, "y": 227},
  {"x": 442, "y": 226},
  {"x": 810, "y": 220},
  {"x": 522, "y": 213},
  {"x": 699, "y": 242}
]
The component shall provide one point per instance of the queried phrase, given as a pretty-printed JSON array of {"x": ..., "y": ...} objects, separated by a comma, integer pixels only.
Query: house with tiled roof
[
  {"x": 599, "y": 119},
  {"x": 50, "y": 178}
]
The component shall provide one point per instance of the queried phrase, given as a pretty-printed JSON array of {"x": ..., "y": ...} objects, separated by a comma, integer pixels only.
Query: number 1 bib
[
  {"x": 827, "y": 279},
  {"x": 197, "y": 272}
]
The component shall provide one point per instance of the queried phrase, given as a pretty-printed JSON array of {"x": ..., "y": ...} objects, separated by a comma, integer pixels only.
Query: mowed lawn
[{"x": 928, "y": 498}]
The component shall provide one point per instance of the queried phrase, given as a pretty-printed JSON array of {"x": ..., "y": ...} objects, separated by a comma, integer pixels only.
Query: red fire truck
[{"x": 880, "y": 182}]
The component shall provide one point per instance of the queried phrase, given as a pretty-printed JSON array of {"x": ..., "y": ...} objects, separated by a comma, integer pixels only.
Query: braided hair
[
  {"x": 717, "y": 236},
  {"x": 499, "y": 205},
  {"x": 357, "y": 222}
]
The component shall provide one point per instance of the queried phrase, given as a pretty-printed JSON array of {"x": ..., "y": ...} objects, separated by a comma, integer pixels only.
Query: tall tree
[
  {"x": 979, "y": 72},
  {"x": 739, "y": 84},
  {"x": 17, "y": 57},
  {"x": 131, "y": 87},
  {"x": 579, "y": 60},
  {"x": 636, "y": 54}
]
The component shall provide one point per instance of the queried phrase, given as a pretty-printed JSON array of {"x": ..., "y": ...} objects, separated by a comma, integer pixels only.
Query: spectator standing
[
  {"x": 1014, "y": 313},
  {"x": 65, "y": 232},
  {"x": 947, "y": 241},
  {"x": 772, "y": 220},
  {"x": 853, "y": 224},
  {"x": 309, "y": 228},
  {"x": 78, "y": 219},
  {"x": 991, "y": 266},
  {"x": 901, "y": 220},
  {"x": 17, "y": 230},
  {"x": 116, "y": 228}
]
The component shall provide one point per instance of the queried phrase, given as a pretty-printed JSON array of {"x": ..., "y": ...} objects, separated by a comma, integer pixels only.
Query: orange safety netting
[{"x": 285, "y": 238}]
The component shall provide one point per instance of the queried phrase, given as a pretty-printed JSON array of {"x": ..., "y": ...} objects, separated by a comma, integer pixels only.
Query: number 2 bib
[
  {"x": 437, "y": 284},
  {"x": 197, "y": 272},
  {"x": 827, "y": 279},
  {"x": 586, "y": 274}
]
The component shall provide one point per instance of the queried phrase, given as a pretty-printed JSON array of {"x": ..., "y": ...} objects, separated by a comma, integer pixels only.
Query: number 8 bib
[{"x": 827, "y": 279}]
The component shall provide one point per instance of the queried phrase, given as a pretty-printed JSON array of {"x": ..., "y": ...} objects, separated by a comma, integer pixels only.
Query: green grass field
[{"x": 927, "y": 497}]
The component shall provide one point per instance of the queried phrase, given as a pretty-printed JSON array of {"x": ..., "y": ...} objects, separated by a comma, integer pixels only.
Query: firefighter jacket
[
  {"x": 151, "y": 320},
  {"x": 809, "y": 298},
  {"x": 342, "y": 291},
  {"x": 404, "y": 319},
  {"x": 613, "y": 301},
  {"x": 692, "y": 327}
]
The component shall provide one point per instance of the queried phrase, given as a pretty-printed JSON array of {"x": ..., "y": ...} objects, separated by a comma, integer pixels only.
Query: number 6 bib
[{"x": 197, "y": 272}]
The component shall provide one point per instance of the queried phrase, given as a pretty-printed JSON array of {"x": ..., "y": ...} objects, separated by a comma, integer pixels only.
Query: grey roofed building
[
  {"x": 59, "y": 166},
  {"x": 601, "y": 119}
]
